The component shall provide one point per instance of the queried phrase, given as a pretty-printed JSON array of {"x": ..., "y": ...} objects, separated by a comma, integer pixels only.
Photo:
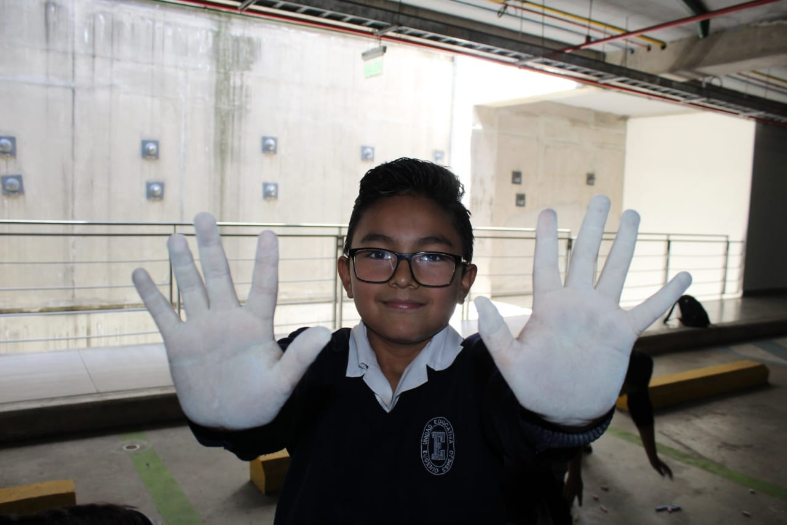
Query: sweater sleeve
[
  {"x": 280, "y": 433},
  {"x": 519, "y": 433}
]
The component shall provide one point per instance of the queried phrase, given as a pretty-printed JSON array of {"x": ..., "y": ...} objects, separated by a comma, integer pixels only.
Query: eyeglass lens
[{"x": 428, "y": 268}]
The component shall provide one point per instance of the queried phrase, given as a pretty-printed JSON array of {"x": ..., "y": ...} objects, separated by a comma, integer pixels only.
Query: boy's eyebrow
[
  {"x": 423, "y": 241},
  {"x": 434, "y": 239}
]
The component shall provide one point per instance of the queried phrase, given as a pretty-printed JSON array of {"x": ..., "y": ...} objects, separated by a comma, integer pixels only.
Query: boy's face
[{"x": 401, "y": 311}]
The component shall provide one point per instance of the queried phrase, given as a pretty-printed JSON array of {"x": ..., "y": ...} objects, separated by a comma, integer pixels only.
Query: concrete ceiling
[
  {"x": 744, "y": 51},
  {"x": 735, "y": 63}
]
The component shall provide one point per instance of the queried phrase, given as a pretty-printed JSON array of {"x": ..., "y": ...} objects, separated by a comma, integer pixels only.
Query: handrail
[{"x": 93, "y": 284}]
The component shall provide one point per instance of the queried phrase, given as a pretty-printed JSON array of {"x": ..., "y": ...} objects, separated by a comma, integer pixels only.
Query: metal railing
[{"x": 66, "y": 284}]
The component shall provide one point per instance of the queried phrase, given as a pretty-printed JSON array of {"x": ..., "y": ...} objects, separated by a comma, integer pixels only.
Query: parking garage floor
[{"x": 727, "y": 453}]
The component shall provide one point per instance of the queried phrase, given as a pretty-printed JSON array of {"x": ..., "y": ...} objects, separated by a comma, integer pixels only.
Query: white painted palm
[
  {"x": 228, "y": 370},
  {"x": 570, "y": 359}
]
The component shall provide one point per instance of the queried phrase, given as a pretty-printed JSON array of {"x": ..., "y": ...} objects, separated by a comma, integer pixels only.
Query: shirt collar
[{"x": 438, "y": 355}]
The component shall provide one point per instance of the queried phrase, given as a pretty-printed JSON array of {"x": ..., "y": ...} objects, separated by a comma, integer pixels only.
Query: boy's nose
[{"x": 403, "y": 275}]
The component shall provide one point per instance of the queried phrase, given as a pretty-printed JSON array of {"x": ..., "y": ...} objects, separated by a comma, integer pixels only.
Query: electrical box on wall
[
  {"x": 516, "y": 177},
  {"x": 590, "y": 179},
  {"x": 520, "y": 200}
]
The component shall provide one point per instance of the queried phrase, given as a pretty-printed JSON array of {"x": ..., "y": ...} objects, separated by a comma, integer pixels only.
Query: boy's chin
[{"x": 404, "y": 337}]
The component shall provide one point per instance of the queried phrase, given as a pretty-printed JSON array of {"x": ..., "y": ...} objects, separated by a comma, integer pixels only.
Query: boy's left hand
[{"x": 570, "y": 360}]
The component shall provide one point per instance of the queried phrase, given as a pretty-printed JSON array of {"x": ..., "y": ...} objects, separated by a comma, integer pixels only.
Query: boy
[{"x": 399, "y": 420}]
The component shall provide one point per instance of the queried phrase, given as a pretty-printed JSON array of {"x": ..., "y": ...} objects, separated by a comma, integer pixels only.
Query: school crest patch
[{"x": 438, "y": 446}]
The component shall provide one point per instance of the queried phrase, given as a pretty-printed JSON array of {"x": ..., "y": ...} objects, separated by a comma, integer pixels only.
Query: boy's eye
[
  {"x": 377, "y": 255},
  {"x": 432, "y": 257}
]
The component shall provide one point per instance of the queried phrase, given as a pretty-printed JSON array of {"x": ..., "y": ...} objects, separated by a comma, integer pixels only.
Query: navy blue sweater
[{"x": 437, "y": 457}]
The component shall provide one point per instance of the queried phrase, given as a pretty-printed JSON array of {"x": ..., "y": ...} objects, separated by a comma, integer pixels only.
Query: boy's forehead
[{"x": 407, "y": 218}]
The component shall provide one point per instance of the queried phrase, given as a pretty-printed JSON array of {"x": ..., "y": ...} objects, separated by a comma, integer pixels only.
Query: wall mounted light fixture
[
  {"x": 8, "y": 146},
  {"x": 270, "y": 190},
  {"x": 367, "y": 153},
  {"x": 520, "y": 200},
  {"x": 437, "y": 156},
  {"x": 154, "y": 190},
  {"x": 375, "y": 52},
  {"x": 12, "y": 185},
  {"x": 269, "y": 145},
  {"x": 149, "y": 149},
  {"x": 516, "y": 177}
]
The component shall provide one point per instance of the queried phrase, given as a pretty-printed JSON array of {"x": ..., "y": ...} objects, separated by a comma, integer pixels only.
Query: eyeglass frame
[{"x": 458, "y": 261}]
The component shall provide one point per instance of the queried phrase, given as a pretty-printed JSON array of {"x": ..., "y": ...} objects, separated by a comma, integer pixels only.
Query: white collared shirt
[{"x": 438, "y": 355}]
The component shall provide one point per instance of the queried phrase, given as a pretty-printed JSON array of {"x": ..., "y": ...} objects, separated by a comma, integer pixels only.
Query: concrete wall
[
  {"x": 766, "y": 246},
  {"x": 554, "y": 146},
  {"x": 90, "y": 79},
  {"x": 691, "y": 174},
  {"x": 84, "y": 81}
]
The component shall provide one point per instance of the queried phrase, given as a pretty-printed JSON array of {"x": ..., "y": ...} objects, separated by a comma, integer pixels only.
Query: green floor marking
[
  {"x": 172, "y": 504},
  {"x": 707, "y": 465}
]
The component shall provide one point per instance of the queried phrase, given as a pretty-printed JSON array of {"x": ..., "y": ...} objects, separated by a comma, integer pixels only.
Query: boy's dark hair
[{"x": 414, "y": 177}]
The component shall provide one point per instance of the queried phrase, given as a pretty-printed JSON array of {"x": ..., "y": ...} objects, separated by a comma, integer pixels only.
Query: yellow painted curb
[
  {"x": 696, "y": 384},
  {"x": 267, "y": 472},
  {"x": 38, "y": 497}
]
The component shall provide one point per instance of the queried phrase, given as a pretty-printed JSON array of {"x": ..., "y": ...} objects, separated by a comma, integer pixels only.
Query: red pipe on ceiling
[
  {"x": 300, "y": 21},
  {"x": 667, "y": 25}
]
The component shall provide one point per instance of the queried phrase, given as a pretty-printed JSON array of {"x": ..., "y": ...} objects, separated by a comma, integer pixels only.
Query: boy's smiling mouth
[{"x": 403, "y": 304}]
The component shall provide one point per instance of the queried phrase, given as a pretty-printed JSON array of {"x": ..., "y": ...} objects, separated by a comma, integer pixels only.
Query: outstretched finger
[
  {"x": 546, "y": 273},
  {"x": 613, "y": 277},
  {"x": 657, "y": 304},
  {"x": 582, "y": 267},
  {"x": 265, "y": 279},
  {"x": 195, "y": 300},
  {"x": 215, "y": 269},
  {"x": 301, "y": 354},
  {"x": 493, "y": 329},
  {"x": 159, "y": 307}
]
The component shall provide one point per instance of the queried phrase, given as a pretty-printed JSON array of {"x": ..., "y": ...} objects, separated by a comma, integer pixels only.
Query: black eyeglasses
[{"x": 433, "y": 269}]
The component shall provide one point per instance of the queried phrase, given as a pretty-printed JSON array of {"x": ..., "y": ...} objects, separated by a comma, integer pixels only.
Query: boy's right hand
[{"x": 228, "y": 370}]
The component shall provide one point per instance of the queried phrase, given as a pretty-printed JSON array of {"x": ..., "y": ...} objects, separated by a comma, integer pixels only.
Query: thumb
[
  {"x": 491, "y": 326},
  {"x": 301, "y": 354}
]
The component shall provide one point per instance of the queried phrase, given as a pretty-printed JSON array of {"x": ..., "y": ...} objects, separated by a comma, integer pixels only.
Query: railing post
[
  {"x": 726, "y": 266},
  {"x": 172, "y": 276},
  {"x": 338, "y": 293},
  {"x": 667, "y": 256}
]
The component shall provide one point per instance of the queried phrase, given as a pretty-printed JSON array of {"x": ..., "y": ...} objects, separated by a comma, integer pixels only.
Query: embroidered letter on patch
[{"x": 438, "y": 446}]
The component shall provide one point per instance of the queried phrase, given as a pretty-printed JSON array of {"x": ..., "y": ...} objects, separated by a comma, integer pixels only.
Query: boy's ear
[
  {"x": 344, "y": 275},
  {"x": 469, "y": 272}
]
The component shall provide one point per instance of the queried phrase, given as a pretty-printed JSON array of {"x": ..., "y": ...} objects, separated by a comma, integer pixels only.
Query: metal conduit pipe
[
  {"x": 453, "y": 50},
  {"x": 754, "y": 81},
  {"x": 604, "y": 29},
  {"x": 771, "y": 77},
  {"x": 657, "y": 42},
  {"x": 553, "y": 26},
  {"x": 667, "y": 25}
]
